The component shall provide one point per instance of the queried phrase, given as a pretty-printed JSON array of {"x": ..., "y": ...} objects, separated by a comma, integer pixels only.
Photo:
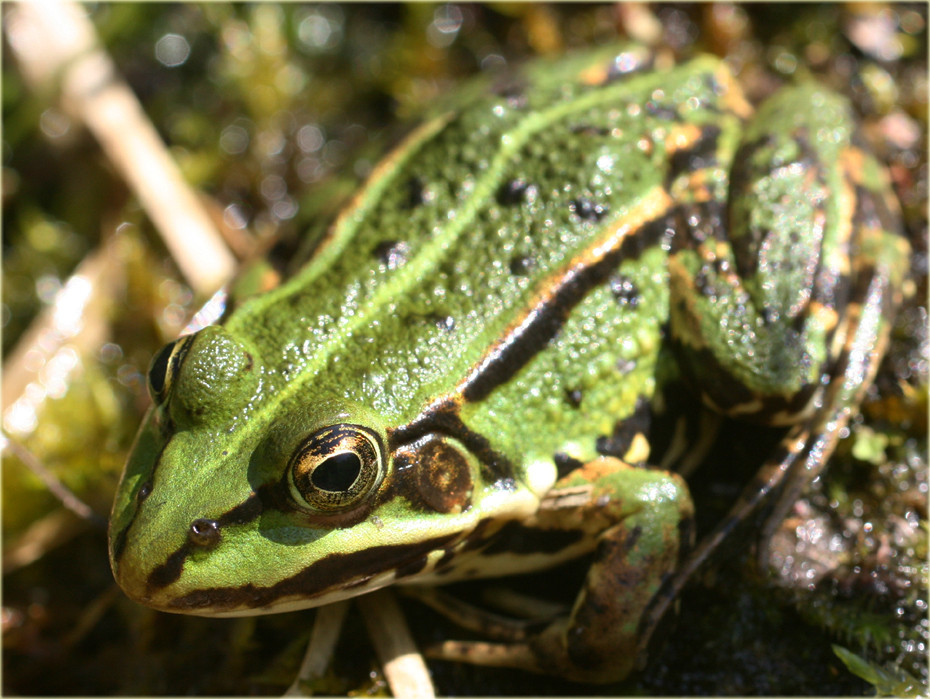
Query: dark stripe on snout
[
  {"x": 169, "y": 571},
  {"x": 335, "y": 571}
]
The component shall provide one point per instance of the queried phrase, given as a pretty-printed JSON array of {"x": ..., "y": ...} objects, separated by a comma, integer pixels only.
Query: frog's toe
[
  {"x": 549, "y": 652},
  {"x": 474, "y": 618},
  {"x": 513, "y": 655}
]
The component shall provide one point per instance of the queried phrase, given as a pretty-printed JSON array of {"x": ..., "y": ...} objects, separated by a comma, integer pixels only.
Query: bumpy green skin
[{"x": 488, "y": 317}]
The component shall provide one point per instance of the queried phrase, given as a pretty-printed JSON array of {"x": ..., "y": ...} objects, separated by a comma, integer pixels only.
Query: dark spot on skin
[
  {"x": 699, "y": 222},
  {"x": 515, "y": 192},
  {"x": 522, "y": 265},
  {"x": 248, "y": 510},
  {"x": 517, "y": 101},
  {"x": 565, "y": 464},
  {"x": 624, "y": 290},
  {"x": 144, "y": 491},
  {"x": 587, "y": 210},
  {"x": 204, "y": 533},
  {"x": 594, "y": 605},
  {"x": 619, "y": 442},
  {"x": 573, "y": 397},
  {"x": 416, "y": 193},
  {"x": 392, "y": 253},
  {"x": 605, "y": 446}
]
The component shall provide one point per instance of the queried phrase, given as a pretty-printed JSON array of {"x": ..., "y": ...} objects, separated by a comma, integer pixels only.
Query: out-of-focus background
[{"x": 274, "y": 114}]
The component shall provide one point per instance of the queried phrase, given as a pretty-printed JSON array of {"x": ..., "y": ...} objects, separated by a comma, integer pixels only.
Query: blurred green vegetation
[{"x": 275, "y": 113}]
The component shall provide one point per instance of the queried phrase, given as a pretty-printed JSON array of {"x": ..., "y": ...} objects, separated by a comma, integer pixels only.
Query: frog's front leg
[{"x": 639, "y": 523}]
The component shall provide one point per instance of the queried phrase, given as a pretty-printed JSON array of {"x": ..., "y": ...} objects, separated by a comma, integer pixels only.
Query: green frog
[{"x": 460, "y": 381}]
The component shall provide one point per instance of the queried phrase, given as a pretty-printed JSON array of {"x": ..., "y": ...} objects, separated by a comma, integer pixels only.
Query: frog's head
[{"x": 244, "y": 496}]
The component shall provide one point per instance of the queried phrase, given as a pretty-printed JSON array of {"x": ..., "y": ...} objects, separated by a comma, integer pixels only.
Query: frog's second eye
[
  {"x": 164, "y": 368},
  {"x": 335, "y": 468}
]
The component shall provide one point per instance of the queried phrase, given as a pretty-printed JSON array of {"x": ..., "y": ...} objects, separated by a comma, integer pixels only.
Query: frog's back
[{"x": 495, "y": 227}]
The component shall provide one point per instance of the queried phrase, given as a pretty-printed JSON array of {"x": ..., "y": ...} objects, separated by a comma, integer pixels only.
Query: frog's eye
[
  {"x": 164, "y": 368},
  {"x": 335, "y": 468}
]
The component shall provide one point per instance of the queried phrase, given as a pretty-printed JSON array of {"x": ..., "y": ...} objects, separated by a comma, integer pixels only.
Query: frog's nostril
[{"x": 204, "y": 532}]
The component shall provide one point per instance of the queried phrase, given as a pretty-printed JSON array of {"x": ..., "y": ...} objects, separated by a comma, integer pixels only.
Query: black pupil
[{"x": 337, "y": 473}]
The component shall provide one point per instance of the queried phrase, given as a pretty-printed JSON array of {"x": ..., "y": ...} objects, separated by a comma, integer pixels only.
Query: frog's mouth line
[{"x": 336, "y": 571}]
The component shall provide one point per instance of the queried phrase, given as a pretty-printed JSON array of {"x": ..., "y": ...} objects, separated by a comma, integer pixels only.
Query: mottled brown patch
[{"x": 443, "y": 477}]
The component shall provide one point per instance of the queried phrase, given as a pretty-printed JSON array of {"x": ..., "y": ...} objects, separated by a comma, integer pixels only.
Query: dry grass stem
[
  {"x": 403, "y": 664},
  {"x": 56, "y": 41}
]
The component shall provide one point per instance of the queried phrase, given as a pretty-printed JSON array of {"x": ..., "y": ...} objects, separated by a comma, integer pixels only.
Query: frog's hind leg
[
  {"x": 797, "y": 460},
  {"x": 861, "y": 337},
  {"x": 870, "y": 321}
]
